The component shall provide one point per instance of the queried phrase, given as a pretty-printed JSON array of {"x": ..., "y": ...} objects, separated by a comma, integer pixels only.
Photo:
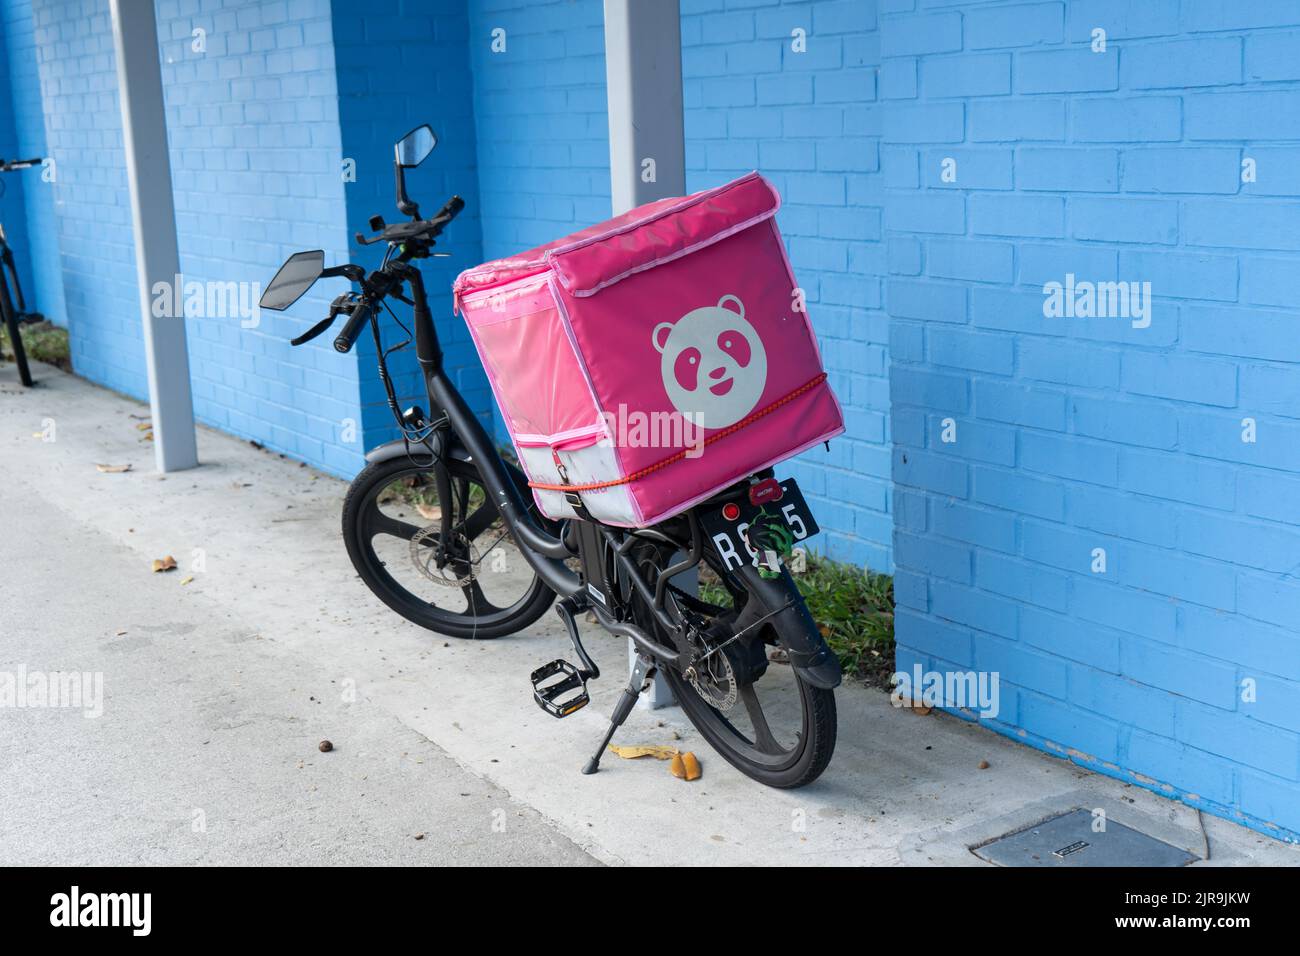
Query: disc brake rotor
[
  {"x": 715, "y": 681},
  {"x": 424, "y": 553}
]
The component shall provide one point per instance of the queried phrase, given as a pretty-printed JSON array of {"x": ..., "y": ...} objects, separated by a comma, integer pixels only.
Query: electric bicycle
[{"x": 431, "y": 511}]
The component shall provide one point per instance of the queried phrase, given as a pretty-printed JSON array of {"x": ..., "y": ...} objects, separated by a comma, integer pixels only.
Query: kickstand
[{"x": 642, "y": 671}]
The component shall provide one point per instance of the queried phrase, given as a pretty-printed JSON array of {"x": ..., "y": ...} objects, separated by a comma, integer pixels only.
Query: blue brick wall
[
  {"x": 789, "y": 88},
  {"x": 74, "y": 47},
  {"x": 1014, "y": 155},
  {"x": 38, "y": 253},
  {"x": 253, "y": 124},
  {"x": 430, "y": 42}
]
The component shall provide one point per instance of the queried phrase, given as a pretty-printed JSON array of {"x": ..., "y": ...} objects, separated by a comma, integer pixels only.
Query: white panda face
[{"x": 713, "y": 366}]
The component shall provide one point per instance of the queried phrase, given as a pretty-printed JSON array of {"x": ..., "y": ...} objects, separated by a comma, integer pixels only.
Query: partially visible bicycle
[{"x": 13, "y": 308}]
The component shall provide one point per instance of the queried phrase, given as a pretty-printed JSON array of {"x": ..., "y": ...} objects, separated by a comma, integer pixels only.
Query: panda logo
[{"x": 714, "y": 367}]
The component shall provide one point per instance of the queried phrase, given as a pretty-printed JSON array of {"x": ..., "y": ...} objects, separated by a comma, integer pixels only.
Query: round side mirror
[{"x": 413, "y": 148}]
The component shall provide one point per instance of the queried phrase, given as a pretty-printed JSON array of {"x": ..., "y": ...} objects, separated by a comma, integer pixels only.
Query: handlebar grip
[
  {"x": 361, "y": 313},
  {"x": 454, "y": 205}
]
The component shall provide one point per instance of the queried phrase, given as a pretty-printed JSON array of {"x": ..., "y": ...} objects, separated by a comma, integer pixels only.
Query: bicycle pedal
[{"x": 557, "y": 697}]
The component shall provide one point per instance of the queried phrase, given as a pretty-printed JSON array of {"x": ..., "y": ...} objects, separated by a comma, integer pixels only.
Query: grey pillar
[
  {"x": 647, "y": 151},
  {"x": 148, "y": 170}
]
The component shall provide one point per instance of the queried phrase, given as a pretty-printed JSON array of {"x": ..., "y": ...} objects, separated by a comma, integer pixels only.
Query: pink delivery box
[{"x": 645, "y": 363}]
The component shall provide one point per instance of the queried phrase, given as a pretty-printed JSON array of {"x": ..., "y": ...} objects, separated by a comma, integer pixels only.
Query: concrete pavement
[{"x": 219, "y": 690}]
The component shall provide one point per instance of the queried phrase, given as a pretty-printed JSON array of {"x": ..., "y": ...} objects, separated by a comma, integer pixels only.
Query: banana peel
[{"x": 683, "y": 766}]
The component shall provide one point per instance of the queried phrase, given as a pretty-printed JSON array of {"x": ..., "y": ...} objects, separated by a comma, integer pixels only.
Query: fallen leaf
[
  {"x": 164, "y": 564},
  {"x": 144, "y": 426},
  {"x": 678, "y": 767},
  {"x": 658, "y": 751},
  {"x": 692, "y": 765},
  {"x": 185, "y": 581},
  {"x": 111, "y": 469},
  {"x": 432, "y": 512}
]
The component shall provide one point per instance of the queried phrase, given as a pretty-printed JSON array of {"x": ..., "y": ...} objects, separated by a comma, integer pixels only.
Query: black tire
[
  {"x": 10, "y": 316},
  {"x": 809, "y": 758},
  {"x": 358, "y": 519},
  {"x": 772, "y": 763}
]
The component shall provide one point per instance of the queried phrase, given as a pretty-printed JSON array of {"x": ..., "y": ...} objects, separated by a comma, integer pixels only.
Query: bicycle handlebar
[{"x": 361, "y": 313}]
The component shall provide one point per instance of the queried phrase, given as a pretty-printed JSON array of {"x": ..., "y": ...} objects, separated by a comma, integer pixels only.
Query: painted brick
[
  {"x": 967, "y": 168},
  {"x": 1138, "y": 119},
  {"x": 1188, "y": 480},
  {"x": 1124, "y": 220},
  {"x": 1121, "y": 19},
  {"x": 1259, "y": 114},
  {"x": 1068, "y": 726},
  {"x": 1023, "y": 580},
  {"x": 1019, "y": 405},
  {"x": 1183, "y": 276},
  {"x": 1182, "y": 64},
  {"x": 1249, "y": 333},
  {"x": 1003, "y": 121},
  {"x": 1015, "y": 26},
  {"x": 1251, "y": 224},
  {"x": 1066, "y": 71},
  {"x": 926, "y": 123},
  {"x": 1186, "y": 379},
  {"x": 972, "y": 261},
  {"x": 1071, "y": 639},
  {"x": 1017, "y": 491},
  {"x": 1068, "y": 170},
  {"x": 913, "y": 35},
  {"x": 1150, "y": 425},
  {"x": 926, "y": 212},
  {"x": 973, "y": 525},
  {"x": 987, "y": 74},
  {"x": 1181, "y": 170},
  {"x": 1016, "y": 215}
]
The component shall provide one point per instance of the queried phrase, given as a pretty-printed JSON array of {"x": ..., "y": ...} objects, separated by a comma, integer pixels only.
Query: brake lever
[{"x": 316, "y": 329}]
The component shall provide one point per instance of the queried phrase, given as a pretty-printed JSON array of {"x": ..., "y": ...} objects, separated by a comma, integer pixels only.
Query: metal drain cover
[{"x": 1070, "y": 840}]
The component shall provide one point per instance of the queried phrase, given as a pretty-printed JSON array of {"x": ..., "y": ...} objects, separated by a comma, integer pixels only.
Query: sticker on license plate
[{"x": 727, "y": 526}]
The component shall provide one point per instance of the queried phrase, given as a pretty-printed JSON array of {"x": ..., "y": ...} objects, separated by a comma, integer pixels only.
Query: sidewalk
[{"x": 208, "y": 701}]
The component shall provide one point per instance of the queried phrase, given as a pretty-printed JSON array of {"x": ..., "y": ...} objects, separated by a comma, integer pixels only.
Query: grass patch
[
  {"x": 43, "y": 342},
  {"x": 853, "y": 608}
]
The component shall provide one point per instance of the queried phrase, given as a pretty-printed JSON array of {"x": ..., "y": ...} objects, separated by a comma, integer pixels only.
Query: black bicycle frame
[
  {"x": 774, "y": 599},
  {"x": 544, "y": 552}
]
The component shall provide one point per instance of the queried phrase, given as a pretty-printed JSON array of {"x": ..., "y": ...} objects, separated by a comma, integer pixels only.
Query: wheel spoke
[
  {"x": 763, "y": 738},
  {"x": 479, "y": 521},
  {"x": 476, "y": 602},
  {"x": 379, "y": 523}
]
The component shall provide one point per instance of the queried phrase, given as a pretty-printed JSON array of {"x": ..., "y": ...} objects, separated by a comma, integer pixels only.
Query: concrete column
[
  {"x": 647, "y": 151},
  {"x": 148, "y": 170}
]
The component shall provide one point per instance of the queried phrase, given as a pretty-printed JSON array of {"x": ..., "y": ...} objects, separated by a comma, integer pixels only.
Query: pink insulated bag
[{"x": 647, "y": 362}]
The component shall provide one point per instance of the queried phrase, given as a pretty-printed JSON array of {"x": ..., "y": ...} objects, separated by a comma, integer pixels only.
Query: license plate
[{"x": 726, "y": 528}]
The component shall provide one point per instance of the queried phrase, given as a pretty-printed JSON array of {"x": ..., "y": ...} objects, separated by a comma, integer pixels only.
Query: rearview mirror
[
  {"x": 415, "y": 147},
  {"x": 299, "y": 272}
]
